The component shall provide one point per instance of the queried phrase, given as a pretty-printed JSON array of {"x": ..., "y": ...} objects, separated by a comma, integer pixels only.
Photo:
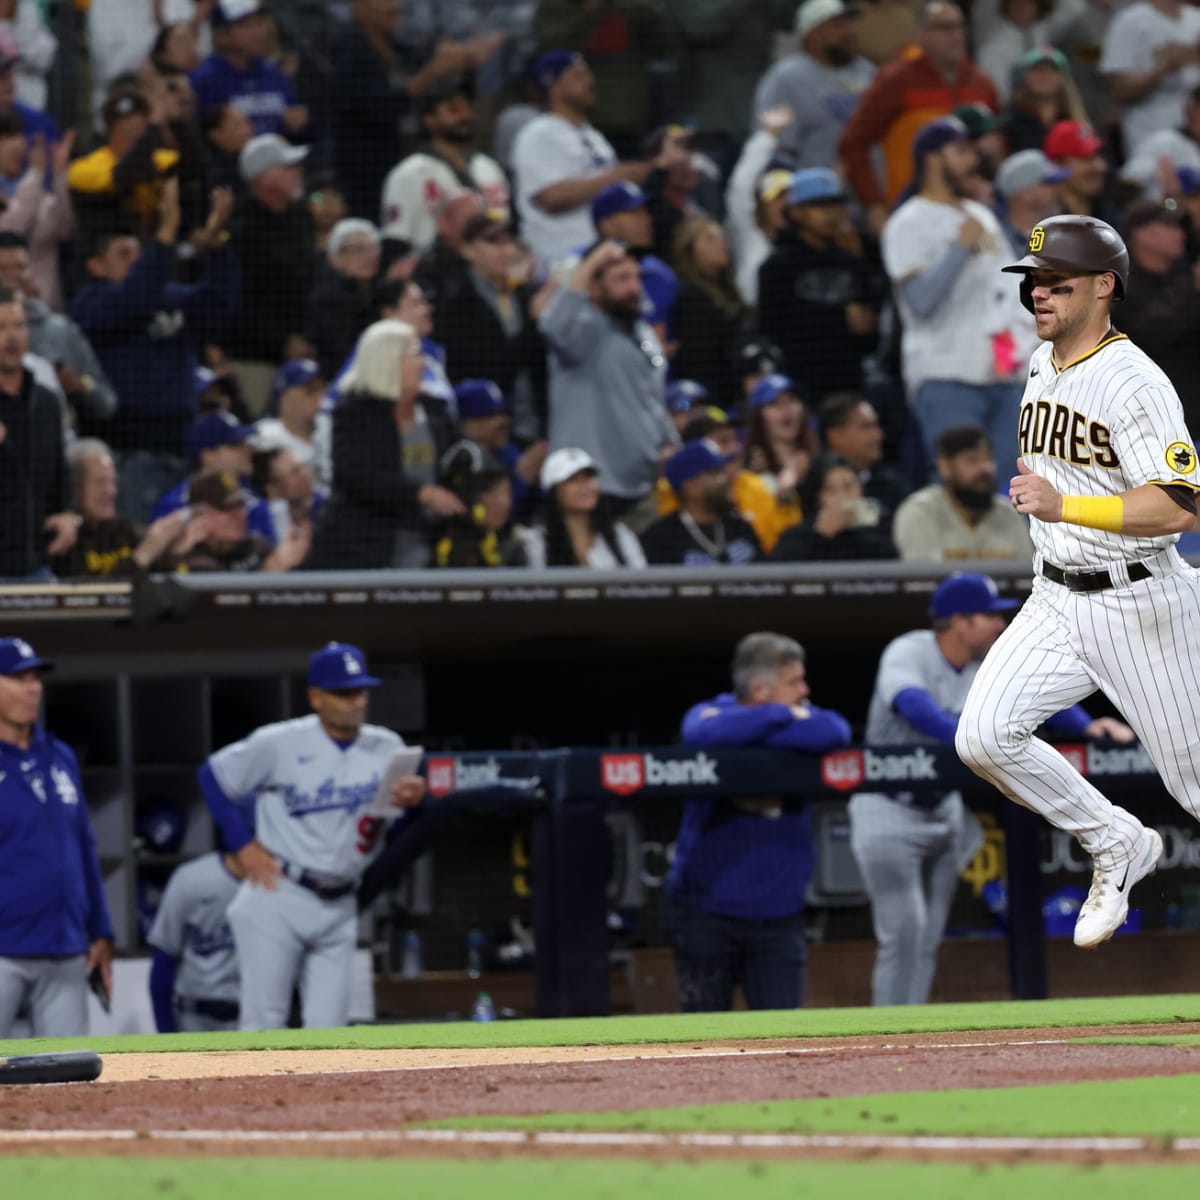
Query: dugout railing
[{"x": 578, "y": 786}]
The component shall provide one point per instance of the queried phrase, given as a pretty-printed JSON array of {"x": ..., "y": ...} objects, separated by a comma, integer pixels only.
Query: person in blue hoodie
[
  {"x": 735, "y": 892},
  {"x": 147, "y": 329},
  {"x": 54, "y": 923}
]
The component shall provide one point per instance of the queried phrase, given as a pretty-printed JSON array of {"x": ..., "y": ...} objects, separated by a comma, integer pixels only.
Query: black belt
[
  {"x": 311, "y": 883},
  {"x": 1093, "y": 581},
  {"x": 217, "y": 1010}
]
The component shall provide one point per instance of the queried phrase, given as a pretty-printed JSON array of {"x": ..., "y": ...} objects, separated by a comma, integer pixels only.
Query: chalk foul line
[{"x": 605, "y": 1139}]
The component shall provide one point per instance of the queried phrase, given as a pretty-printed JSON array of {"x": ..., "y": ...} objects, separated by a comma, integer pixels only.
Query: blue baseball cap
[
  {"x": 17, "y": 655},
  {"x": 815, "y": 185},
  {"x": 548, "y": 68},
  {"x": 685, "y": 394},
  {"x": 617, "y": 198},
  {"x": 216, "y": 429},
  {"x": 296, "y": 373},
  {"x": 479, "y": 398},
  {"x": 771, "y": 388},
  {"x": 967, "y": 593},
  {"x": 694, "y": 458},
  {"x": 935, "y": 134},
  {"x": 339, "y": 667}
]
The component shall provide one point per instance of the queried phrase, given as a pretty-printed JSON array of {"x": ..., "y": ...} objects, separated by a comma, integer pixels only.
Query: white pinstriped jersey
[
  {"x": 309, "y": 792},
  {"x": 1106, "y": 423}
]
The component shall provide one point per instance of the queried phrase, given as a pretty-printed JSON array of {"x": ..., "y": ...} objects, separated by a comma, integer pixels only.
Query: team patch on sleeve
[{"x": 1181, "y": 458}]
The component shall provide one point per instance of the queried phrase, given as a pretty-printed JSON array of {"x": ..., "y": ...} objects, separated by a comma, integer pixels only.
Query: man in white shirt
[
  {"x": 418, "y": 186},
  {"x": 560, "y": 161},
  {"x": 942, "y": 253},
  {"x": 821, "y": 83},
  {"x": 1151, "y": 59}
]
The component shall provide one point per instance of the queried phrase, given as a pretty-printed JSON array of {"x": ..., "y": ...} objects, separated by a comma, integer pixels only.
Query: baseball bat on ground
[{"x": 73, "y": 1066}]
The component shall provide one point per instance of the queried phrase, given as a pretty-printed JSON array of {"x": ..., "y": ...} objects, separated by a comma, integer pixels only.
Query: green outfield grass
[
  {"x": 1155, "y": 1107},
  {"x": 576, "y": 1179},
  {"x": 674, "y": 1027}
]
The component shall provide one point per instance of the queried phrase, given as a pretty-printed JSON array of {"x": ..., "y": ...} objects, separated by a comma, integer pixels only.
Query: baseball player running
[
  {"x": 911, "y": 848},
  {"x": 309, "y": 781},
  {"x": 1107, "y": 473},
  {"x": 194, "y": 973}
]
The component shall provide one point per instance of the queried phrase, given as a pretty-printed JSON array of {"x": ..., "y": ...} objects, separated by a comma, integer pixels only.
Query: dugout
[{"x": 150, "y": 681}]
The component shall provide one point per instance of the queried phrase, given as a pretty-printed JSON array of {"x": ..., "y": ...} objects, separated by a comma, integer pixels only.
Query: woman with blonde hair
[
  {"x": 387, "y": 442},
  {"x": 709, "y": 310}
]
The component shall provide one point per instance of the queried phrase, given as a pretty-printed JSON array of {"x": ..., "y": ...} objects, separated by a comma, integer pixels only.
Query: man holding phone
[{"x": 55, "y": 930}]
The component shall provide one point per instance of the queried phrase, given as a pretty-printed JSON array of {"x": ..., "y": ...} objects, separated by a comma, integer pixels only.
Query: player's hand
[
  {"x": 1111, "y": 728},
  {"x": 100, "y": 954},
  {"x": 1033, "y": 496},
  {"x": 260, "y": 865},
  {"x": 408, "y": 791}
]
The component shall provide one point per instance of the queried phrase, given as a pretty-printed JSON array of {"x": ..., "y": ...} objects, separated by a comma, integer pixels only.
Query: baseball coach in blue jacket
[
  {"x": 54, "y": 925},
  {"x": 735, "y": 893}
]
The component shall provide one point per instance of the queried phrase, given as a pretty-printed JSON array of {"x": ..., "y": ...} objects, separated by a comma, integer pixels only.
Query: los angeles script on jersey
[
  {"x": 1053, "y": 429},
  {"x": 329, "y": 795}
]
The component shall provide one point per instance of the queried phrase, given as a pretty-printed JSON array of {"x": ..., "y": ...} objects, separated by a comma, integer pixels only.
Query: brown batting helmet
[{"x": 1083, "y": 245}]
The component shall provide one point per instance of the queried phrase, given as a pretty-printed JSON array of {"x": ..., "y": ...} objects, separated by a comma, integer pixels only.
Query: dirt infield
[{"x": 331, "y": 1101}]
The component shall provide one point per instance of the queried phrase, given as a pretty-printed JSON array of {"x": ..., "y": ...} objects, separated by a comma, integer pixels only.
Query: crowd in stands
[{"x": 607, "y": 283}]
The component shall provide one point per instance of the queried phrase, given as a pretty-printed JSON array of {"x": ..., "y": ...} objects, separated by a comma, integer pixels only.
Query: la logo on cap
[
  {"x": 24, "y": 649},
  {"x": 351, "y": 665}
]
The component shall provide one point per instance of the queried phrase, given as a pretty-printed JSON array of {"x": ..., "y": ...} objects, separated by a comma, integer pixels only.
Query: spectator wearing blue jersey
[
  {"x": 735, "y": 893},
  {"x": 54, "y": 923},
  {"x": 238, "y": 72}
]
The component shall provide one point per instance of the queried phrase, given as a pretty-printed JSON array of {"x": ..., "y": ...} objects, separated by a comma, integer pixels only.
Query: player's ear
[{"x": 1106, "y": 283}]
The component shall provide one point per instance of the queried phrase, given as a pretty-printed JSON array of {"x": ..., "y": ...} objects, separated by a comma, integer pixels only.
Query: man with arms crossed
[{"x": 1107, "y": 473}]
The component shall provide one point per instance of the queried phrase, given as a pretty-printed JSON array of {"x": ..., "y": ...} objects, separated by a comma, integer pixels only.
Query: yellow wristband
[{"x": 1096, "y": 512}]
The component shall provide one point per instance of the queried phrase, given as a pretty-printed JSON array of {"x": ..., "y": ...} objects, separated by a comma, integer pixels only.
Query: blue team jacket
[
  {"x": 51, "y": 889},
  {"x": 743, "y": 864}
]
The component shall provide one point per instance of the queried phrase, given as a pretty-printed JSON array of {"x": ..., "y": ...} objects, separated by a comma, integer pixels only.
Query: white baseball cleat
[{"x": 1107, "y": 905}]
